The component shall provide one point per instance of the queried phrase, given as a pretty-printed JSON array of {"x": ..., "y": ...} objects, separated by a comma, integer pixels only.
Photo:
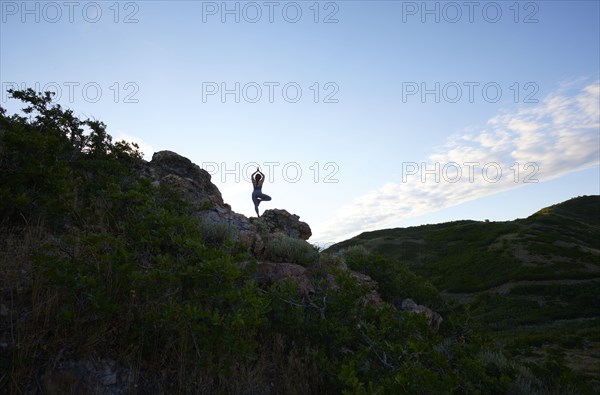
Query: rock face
[
  {"x": 286, "y": 223},
  {"x": 174, "y": 170},
  {"x": 434, "y": 318}
]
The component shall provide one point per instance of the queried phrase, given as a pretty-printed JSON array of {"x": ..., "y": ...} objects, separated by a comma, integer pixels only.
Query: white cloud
[
  {"x": 557, "y": 136},
  {"x": 146, "y": 148}
]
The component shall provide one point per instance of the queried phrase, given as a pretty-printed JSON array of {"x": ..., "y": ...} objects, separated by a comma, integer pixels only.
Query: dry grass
[
  {"x": 25, "y": 307},
  {"x": 282, "y": 367},
  {"x": 279, "y": 367}
]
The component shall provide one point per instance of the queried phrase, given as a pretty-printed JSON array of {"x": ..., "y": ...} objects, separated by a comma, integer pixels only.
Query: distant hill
[
  {"x": 561, "y": 242},
  {"x": 535, "y": 282}
]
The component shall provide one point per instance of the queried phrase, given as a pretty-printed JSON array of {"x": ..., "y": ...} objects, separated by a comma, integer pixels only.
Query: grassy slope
[{"x": 535, "y": 282}]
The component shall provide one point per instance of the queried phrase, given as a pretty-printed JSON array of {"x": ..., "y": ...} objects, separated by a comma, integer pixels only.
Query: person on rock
[{"x": 258, "y": 178}]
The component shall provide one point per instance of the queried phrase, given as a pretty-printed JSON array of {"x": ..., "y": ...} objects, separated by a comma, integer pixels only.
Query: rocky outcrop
[
  {"x": 281, "y": 221},
  {"x": 434, "y": 318},
  {"x": 238, "y": 223},
  {"x": 175, "y": 171},
  {"x": 180, "y": 173}
]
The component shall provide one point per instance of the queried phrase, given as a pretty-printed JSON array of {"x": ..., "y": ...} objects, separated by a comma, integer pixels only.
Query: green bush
[
  {"x": 282, "y": 248},
  {"x": 396, "y": 281},
  {"x": 55, "y": 167},
  {"x": 216, "y": 233}
]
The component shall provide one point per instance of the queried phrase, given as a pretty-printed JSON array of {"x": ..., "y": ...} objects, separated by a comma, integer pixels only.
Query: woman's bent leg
[{"x": 256, "y": 203}]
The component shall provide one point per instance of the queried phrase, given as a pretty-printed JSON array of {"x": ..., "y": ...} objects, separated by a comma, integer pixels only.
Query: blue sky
[{"x": 505, "y": 82}]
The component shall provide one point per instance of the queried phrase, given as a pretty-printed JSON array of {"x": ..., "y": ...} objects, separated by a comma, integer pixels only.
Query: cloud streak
[{"x": 555, "y": 137}]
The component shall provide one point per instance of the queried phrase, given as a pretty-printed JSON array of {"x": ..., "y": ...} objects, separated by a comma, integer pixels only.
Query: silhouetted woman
[{"x": 257, "y": 196}]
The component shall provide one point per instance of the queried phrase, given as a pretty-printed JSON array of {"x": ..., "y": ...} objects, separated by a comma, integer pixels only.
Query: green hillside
[
  {"x": 533, "y": 282},
  {"x": 559, "y": 242}
]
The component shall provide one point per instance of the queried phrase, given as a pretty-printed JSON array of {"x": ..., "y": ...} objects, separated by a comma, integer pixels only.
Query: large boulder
[
  {"x": 180, "y": 173},
  {"x": 239, "y": 224},
  {"x": 281, "y": 221}
]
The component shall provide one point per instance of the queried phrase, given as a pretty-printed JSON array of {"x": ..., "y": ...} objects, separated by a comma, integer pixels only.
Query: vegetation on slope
[{"x": 533, "y": 282}]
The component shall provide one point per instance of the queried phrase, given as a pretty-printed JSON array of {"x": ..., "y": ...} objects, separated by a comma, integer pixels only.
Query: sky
[{"x": 362, "y": 114}]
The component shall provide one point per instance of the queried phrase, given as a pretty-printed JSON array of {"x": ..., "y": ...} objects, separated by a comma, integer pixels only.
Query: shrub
[
  {"x": 282, "y": 248},
  {"x": 396, "y": 281},
  {"x": 216, "y": 233}
]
